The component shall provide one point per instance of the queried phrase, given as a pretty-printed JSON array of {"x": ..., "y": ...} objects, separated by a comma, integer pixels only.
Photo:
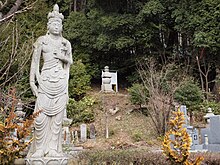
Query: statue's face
[{"x": 55, "y": 28}]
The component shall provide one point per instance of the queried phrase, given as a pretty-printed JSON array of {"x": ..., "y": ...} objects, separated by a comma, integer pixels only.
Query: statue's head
[{"x": 55, "y": 19}]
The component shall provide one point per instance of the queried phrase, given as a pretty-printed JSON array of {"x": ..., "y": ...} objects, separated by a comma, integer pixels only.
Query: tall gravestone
[
  {"x": 211, "y": 134},
  {"x": 184, "y": 110},
  {"x": 83, "y": 132},
  {"x": 50, "y": 86},
  {"x": 92, "y": 131},
  {"x": 214, "y": 130}
]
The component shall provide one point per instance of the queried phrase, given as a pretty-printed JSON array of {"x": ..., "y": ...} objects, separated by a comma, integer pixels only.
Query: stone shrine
[
  {"x": 50, "y": 86},
  {"x": 109, "y": 80}
]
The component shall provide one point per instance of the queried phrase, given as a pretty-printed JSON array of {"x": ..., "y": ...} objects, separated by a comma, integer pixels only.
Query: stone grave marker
[
  {"x": 183, "y": 109},
  {"x": 195, "y": 137},
  {"x": 76, "y": 138},
  {"x": 92, "y": 131},
  {"x": 83, "y": 132},
  {"x": 215, "y": 130}
]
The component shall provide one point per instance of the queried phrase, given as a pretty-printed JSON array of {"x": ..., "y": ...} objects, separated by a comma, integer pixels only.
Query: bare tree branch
[
  {"x": 15, "y": 11},
  {"x": 14, "y": 8},
  {"x": 19, "y": 55},
  {"x": 161, "y": 85},
  {"x": 2, "y": 5}
]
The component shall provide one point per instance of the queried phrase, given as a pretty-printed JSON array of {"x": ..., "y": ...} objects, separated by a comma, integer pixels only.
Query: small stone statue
[{"x": 51, "y": 89}]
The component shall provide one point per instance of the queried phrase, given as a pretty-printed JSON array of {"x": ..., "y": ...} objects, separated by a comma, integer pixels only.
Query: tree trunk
[{"x": 75, "y": 3}]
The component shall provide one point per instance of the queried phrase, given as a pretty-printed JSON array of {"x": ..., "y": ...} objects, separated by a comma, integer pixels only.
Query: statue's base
[{"x": 47, "y": 161}]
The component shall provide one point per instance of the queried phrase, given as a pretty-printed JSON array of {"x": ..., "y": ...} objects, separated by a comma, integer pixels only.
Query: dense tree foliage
[{"x": 115, "y": 33}]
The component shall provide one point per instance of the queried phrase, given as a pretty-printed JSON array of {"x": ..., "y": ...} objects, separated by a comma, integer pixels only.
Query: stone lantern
[
  {"x": 19, "y": 110},
  {"x": 208, "y": 115}
]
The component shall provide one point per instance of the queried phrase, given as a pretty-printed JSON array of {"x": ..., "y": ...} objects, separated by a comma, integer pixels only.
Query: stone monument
[
  {"x": 109, "y": 80},
  {"x": 106, "y": 80},
  {"x": 51, "y": 92}
]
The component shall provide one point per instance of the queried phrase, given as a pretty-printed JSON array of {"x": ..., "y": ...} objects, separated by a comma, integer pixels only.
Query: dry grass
[{"x": 128, "y": 128}]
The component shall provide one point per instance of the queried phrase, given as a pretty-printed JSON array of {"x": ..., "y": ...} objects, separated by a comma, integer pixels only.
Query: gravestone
[
  {"x": 66, "y": 135},
  {"x": 92, "y": 131},
  {"x": 195, "y": 140},
  {"x": 195, "y": 137},
  {"x": 72, "y": 136},
  {"x": 83, "y": 132},
  {"x": 193, "y": 132},
  {"x": 214, "y": 137},
  {"x": 211, "y": 134},
  {"x": 76, "y": 138},
  {"x": 183, "y": 109}
]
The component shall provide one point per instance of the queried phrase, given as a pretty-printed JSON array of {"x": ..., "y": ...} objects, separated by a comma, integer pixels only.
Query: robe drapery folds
[{"x": 52, "y": 91}]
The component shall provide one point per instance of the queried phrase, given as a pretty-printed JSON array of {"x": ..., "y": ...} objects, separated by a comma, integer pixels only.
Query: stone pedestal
[
  {"x": 47, "y": 161},
  {"x": 107, "y": 88}
]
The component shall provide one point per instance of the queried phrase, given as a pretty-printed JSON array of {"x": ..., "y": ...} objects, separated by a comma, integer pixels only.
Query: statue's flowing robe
[{"x": 52, "y": 93}]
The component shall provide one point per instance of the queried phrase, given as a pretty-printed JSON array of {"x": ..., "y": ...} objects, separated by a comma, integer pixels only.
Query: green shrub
[
  {"x": 79, "y": 82},
  {"x": 137, "y": 136},
  {"x": 189, "y": 94},
  {"x": 211, "y": 104},
  {"x": 111, "y": 132},
  {"x": 81, "y": 111},
  {"x": 138, "y": 94}
]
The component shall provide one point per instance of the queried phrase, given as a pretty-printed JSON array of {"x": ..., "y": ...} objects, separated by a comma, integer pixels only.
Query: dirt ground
[{"x": 127, "y": 126}]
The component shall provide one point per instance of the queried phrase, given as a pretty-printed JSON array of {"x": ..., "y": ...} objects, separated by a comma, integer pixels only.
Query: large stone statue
[{"x": 50, "y": 85}]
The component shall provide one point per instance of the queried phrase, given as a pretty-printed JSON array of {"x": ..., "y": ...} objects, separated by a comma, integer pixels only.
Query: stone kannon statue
[{"x": 52, "y": 87}]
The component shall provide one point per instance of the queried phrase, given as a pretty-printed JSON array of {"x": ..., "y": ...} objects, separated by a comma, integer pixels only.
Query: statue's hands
[
  {"x": 59, "y": 56},
  {"x": 62, "y": 58},
  {"x": 34, "y": 89}
]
